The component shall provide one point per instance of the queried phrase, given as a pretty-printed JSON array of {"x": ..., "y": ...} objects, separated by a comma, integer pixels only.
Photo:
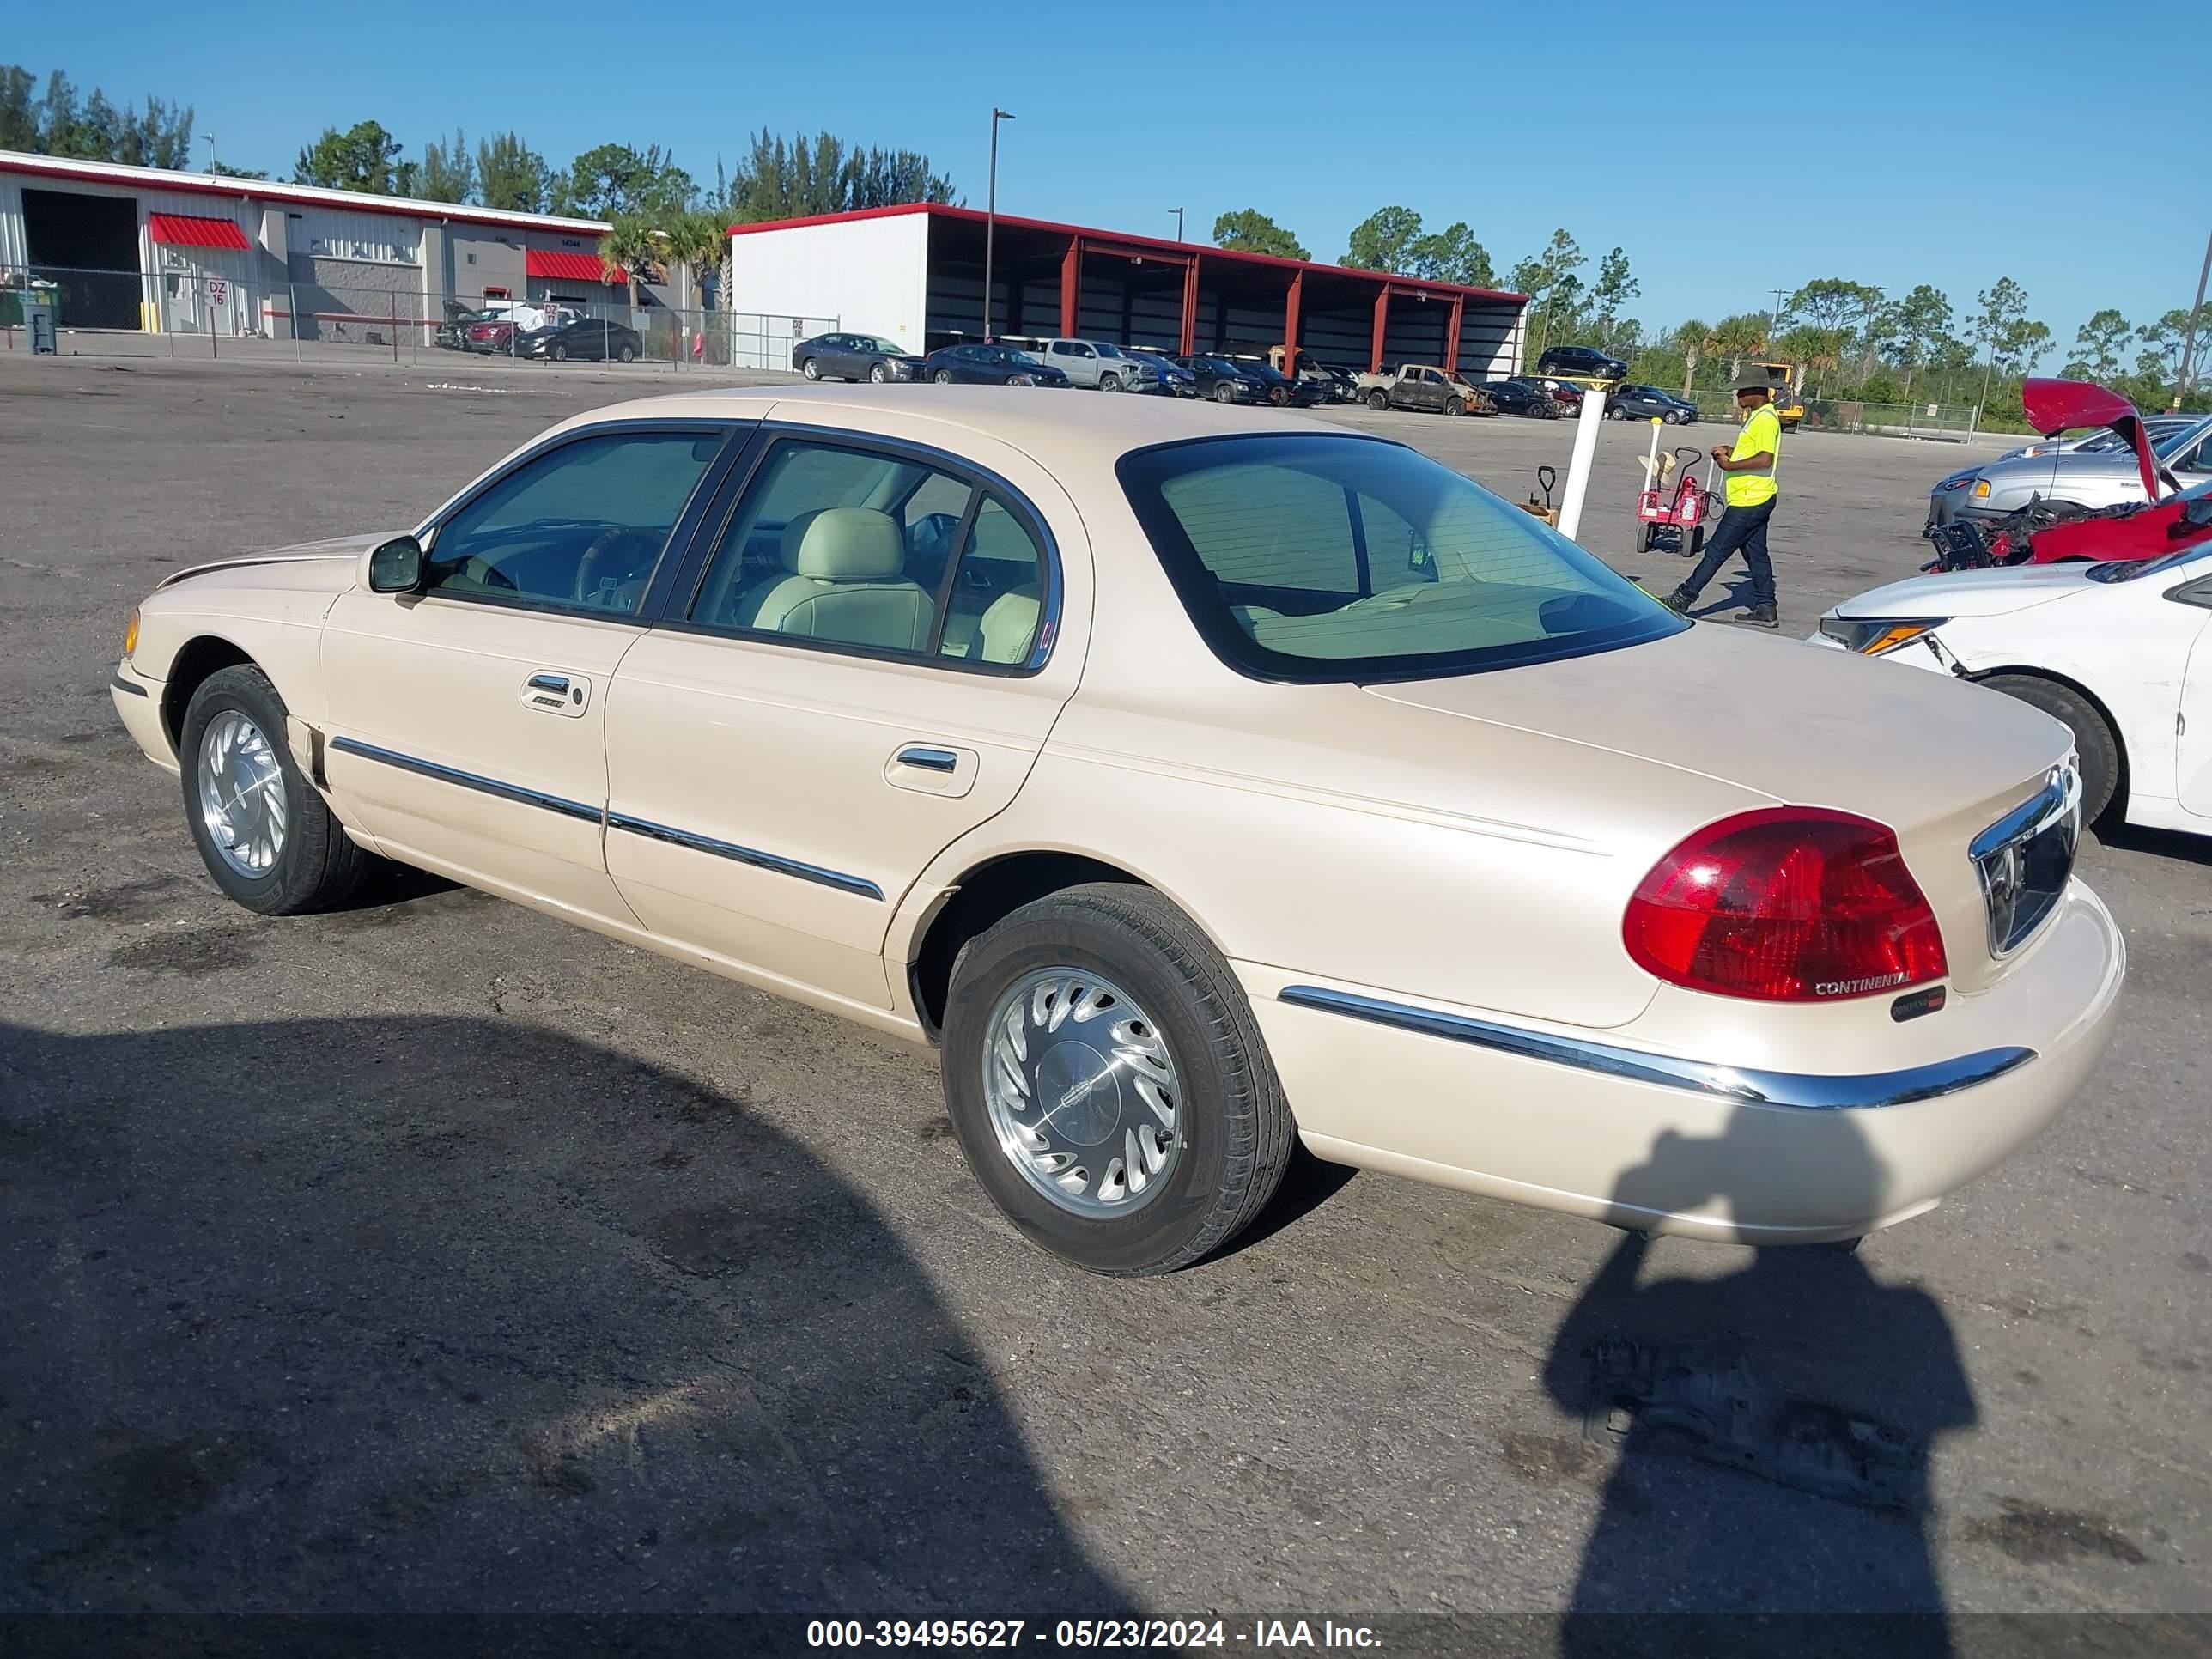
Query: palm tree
[
  {"x": 692, "y": 243},
  {"x": 1740, "y": 337},
  {"x": 626, "y": 249},
  {"x": 1693, "y": 339}
]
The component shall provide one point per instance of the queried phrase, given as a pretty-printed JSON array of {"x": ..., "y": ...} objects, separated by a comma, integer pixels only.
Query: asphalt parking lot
[{"x": 434, "y": 1256}]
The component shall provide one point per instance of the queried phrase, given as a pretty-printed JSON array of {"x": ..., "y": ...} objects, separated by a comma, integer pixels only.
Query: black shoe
[
  {"x": 1762, "y": 616},
  {"x": 1678, "y": 601}
]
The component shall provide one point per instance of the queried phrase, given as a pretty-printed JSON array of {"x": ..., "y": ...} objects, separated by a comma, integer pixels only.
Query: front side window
[
  {"x": 582, "y": 524},
  {"x": 1344, "y": 558},
  {"x": 878, "y": 551}
]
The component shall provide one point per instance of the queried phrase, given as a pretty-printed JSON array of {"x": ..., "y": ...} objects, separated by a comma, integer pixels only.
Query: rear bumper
[
  {"x": 1588, "y": 1123},
  {"x": 137, "y": 702}
]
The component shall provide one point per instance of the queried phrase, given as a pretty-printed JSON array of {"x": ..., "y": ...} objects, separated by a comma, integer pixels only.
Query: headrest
[
  {"x": 851, "y": 544},
  {"x": 1009, "y": 627},
  {"x": 794, "y": 533}
]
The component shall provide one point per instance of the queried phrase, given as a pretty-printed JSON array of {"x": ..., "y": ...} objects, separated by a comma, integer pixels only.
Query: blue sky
[{"x": 1948, "y": 144}]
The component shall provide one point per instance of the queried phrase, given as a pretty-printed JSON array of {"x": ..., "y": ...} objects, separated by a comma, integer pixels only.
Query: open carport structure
[{"x": 915, "y": 274}]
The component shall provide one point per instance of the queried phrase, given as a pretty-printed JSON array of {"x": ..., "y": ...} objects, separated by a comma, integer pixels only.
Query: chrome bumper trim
[
  {"x": 453, "y": 775},
  {"x": 759, "y": 860},
  {"x": 1802, "y": 1090}
]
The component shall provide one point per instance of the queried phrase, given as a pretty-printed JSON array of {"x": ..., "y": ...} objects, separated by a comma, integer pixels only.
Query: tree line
[
  {"x": 1840, "y": 337},
  {"x": 660, "y": 213}
]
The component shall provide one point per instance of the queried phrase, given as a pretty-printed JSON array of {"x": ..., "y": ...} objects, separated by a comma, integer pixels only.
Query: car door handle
[
  {"x": 932, "y": 768},
  {"x": 553, "y": 692}
]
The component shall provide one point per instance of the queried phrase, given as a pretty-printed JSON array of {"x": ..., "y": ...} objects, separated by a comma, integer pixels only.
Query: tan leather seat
[{"x": 846, "y": 584}]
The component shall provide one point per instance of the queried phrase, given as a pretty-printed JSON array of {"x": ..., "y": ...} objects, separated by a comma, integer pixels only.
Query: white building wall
[
  {"x": 14, "y": 254},
  {"x": 869, "y": 275}
]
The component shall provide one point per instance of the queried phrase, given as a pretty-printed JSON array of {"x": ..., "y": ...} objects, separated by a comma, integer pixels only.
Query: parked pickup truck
[
  {"x": 1425, "y": 385},
  {"x": 1095, "y": 364}
]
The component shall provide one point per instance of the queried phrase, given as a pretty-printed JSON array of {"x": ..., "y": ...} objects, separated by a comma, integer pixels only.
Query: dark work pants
[{"x": 1744, "y": 529}]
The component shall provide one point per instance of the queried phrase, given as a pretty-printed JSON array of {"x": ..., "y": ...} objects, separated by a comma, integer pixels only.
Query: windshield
[
  {"x": 1105, "y": 351},
  {"x": 873, "y": 343},
  {"x": 1335, "y": 558}
]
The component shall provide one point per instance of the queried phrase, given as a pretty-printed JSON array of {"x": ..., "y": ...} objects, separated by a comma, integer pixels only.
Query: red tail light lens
[{"x": 1786, "y": 904}]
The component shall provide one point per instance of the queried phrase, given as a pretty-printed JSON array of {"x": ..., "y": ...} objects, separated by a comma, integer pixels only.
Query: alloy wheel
[
  {"x": 1084, "y": 1099},
  {"x": 241, "y": 794}
]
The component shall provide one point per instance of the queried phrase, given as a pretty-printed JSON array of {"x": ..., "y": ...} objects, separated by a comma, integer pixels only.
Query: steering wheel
[{"x": 612, "y": 574}]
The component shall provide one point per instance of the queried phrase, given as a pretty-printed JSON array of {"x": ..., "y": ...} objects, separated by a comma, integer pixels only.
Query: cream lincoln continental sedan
[{"x": 1195, "y": 779}]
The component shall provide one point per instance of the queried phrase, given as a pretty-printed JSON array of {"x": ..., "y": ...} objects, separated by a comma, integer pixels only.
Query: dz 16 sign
[{"x": 218, "y": 291}]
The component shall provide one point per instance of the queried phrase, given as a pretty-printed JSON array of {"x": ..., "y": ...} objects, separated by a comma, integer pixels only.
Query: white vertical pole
[{"x": 1578, "y": 464}]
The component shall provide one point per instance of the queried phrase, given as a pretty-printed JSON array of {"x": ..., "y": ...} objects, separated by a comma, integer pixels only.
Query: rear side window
[
  {"x": 1325, "y": 558},
  {"x": 870, "y": 550}
]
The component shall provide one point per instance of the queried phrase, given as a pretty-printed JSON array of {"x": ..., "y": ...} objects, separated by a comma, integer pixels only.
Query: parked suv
[
  {"x": 1643, "y": 402},
  {"x": 1585, "y": 360}
]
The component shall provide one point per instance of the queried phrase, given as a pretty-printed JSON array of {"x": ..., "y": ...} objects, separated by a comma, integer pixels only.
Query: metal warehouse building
[
  {"x": 139, "y": 248},
  {"x": 915, "y": 274}
]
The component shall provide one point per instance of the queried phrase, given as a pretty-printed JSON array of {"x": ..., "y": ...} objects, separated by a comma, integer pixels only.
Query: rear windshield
[{"x": 1325, "y": 558}]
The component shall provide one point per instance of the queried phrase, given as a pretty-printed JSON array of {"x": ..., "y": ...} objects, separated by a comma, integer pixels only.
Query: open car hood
[{"x": 2055, "y": 406}]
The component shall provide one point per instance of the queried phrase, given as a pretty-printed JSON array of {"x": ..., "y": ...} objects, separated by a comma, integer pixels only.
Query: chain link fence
[
  {"x": 1950, "y": 423},
  {"x": 176, "y": 313}
]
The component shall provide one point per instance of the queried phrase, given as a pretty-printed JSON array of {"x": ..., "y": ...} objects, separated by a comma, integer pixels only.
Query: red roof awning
[
  {"x": 189, "y": 230},
  {"x": 567, "y": 267}
]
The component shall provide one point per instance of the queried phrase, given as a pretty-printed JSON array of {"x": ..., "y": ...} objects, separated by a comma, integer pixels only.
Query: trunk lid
[{"x": 1937, "y": 760}]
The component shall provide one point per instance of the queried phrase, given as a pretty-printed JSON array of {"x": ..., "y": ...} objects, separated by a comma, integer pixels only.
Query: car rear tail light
[{"x": 1785, "y": 904}]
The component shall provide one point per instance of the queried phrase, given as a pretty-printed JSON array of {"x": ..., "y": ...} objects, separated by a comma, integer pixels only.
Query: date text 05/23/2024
[{"x": 1260, "y": 1635}]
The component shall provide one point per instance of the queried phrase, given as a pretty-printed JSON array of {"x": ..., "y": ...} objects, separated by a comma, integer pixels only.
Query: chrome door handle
[
  {"x": 552, "y": 692},
  {"x": 929, "y": 760}
]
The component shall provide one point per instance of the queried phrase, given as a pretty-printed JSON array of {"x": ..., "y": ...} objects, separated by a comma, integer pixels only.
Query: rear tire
[
  {"x": 1231, "y": 1127},
  {"x": 2101, "y": 760},
  {"x": 1378, "y": 401},
  {"x": 1643, "y": 538},
  {"x": 559, "y": 354},
  {"x": 314, "y": 864}
]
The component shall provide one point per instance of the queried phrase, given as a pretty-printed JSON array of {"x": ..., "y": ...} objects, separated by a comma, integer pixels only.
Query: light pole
[
  {"x": 991, "y": 218},
  {"x": 210, "y": 144},
  {"x": 1178, "y": 214},
  {"x": 2189, "y": 335}
]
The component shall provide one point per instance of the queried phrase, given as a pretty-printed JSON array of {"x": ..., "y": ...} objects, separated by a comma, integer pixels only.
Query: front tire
[
  {"x": 625, "y": 353},
  {"x": 1378, "y": 401},
  {"x": 1109, "y": 383},
  {"x": 943, "y": 377},
  {"x": 1454, "y": 406},
  {"x": 1139, "y": 1164},
  {"x": 2094, "y": 741},
  {"x": 263, "y": 831},
  {"x": 1225, "y": 393},
  {"x": 811, "y": 369},
  {"x": 877, "y": 374}
]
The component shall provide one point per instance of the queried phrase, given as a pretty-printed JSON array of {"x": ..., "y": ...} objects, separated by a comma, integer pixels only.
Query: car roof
[{"x": 1063, "y": 435}]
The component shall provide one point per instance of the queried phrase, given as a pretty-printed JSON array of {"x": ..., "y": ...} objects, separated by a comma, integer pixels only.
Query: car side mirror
[
  {"x": 396, "y": 566},
  {"x": 2197, "y": 514}
]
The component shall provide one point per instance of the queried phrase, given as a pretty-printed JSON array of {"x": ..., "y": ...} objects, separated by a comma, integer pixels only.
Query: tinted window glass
[
  {"x": 580, "y": 525},
  {"x": 1341, "y": 558}
]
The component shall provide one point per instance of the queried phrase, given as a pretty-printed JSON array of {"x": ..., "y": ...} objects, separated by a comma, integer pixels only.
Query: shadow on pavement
[
  {"x": 452, "y": 1314},
  {"x": 1769, "y": 1428}
]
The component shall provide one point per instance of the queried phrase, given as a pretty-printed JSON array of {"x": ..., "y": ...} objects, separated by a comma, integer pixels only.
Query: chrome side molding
[
  {"x": 1802, "y": 1090},
  {"x": 514, "y": 792},
  {"x": 575, "y": 809},
  {"x": 754, "y": 856}
]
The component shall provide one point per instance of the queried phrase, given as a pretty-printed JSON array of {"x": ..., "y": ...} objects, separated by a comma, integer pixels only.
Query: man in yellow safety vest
[{"x": 1751, "y": 465}]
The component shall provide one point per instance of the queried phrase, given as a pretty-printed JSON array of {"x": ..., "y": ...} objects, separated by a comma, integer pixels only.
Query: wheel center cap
[{"x": 1080, "y": 1091}]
